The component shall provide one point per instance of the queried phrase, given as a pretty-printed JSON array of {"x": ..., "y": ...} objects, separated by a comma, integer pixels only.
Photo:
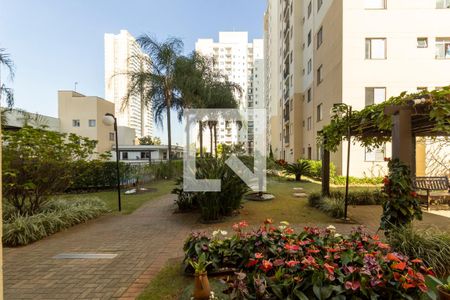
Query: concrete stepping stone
[
  {"x": 300, "y": 195},
  {"x": 298, "y": 189}
]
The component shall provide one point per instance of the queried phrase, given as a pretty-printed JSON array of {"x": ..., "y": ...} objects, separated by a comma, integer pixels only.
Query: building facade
[
  {"x": 243, "y": 63},
  {"x": 83, "y": 115},
  {"x": 359, "y": 53},
  {"x": 123, "y": 56}
]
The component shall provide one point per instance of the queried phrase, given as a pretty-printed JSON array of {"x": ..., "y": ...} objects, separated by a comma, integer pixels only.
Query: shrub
[
  {"x": 278, "y": 263},
  {"x": 316, "y": 169},
  {"x": 36, "y": 165},
  {"x": 402, "y": 205},
  {"x": 431, "y": 245},
  {"x": 340, "y": 180},
  {"x": 214, "y": 205},
  {"x": 298, "y": 169},
  {"x": 54, "y": 216},
  {"x": 333, "y": 206}
]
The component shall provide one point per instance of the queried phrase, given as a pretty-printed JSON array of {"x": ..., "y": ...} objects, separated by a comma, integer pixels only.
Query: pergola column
[{"x": 403, "y": 141}]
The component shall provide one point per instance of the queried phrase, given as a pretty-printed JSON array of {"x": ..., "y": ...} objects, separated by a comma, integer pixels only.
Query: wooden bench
[{"x": 429, "y": 184}]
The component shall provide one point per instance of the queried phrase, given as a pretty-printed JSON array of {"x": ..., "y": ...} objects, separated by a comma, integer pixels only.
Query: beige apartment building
[
  {"x": 83, "y": 115},
  {"x": 354, "y": 52}
]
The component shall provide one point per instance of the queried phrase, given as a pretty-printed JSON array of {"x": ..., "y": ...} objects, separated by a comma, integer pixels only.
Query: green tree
[
  {"x": 37, "y": 164},
  {"x": 302, "y": 167},
  {"x": 148, "y": 140},
  {"x": 8, "y": 93},
  {"x": 156, "y": 84}
]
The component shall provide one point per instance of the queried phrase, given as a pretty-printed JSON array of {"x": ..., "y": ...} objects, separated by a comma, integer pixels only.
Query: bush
[
  {"x": 431, "y": 245},
  {"x": 298, "y": 169},
  {"x": 214, "y": 205},
  {"x": 340, "y": 180},
  {"x": 333, "y": 206},
  {"x": 278, "y": 263},
  {"x": 316, "y": 169},
  {"x": 54, "y": 216}
]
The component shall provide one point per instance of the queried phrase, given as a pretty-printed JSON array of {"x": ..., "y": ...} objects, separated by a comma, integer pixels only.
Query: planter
[
  {"x": 201, "y": 287},
  {"x": 443, "y": 295}
]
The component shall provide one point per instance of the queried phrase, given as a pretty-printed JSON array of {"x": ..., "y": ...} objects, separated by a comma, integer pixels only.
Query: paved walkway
[{"x": 144, "y": 241}]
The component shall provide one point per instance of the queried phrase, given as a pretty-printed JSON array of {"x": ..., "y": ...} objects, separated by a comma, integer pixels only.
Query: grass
[
  {"x": 131, "y": 202},
  {"x": 171, "y": 284}
]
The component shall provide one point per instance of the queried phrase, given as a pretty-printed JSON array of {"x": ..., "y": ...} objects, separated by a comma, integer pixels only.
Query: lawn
[{"x": 131, "y": 202}]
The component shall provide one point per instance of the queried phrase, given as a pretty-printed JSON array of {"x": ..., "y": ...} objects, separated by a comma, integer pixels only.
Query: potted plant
[
  {"x": 202, "y": 290},
  {"x": 442, "y": 288}
]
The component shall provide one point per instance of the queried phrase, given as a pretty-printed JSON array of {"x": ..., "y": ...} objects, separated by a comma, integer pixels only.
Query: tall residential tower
[{"x": 123, "y": 56}]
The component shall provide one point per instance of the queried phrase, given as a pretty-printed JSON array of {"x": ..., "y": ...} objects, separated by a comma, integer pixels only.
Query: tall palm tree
[
  {"x": 6, "y": 61},
  {"x": 156, "y": 84}
]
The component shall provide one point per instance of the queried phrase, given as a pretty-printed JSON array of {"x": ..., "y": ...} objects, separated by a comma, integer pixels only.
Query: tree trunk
[
  {"x": 169, "y": 134},
  {"x": 142, "y": 113},
  {"x": 298, "y": 177},
  {"x": 211, "y": 139},
  {"x": 200, "y": 132},
  {"x": 215, "y": 139}
]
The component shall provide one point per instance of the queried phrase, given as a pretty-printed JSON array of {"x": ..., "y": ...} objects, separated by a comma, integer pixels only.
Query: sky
[{"x": 55, "y": 43}]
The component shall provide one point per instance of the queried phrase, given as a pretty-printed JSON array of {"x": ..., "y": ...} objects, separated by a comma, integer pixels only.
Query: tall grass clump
[{"x": 55, "y": 216}]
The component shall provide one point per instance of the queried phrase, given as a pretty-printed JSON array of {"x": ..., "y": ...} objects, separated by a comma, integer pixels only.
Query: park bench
[{"x": 431, "y": 184}]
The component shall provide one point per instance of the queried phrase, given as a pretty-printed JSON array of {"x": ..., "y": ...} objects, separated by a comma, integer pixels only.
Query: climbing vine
[{"x": 436, "y": 103}]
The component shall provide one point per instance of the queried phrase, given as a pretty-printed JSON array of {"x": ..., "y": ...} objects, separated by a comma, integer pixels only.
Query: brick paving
[{"x": 144, "y": 241}]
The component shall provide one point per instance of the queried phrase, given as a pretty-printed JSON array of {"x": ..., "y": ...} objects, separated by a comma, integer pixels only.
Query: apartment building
[
  {"x": 122, "y": 56},
  {"x": 83, "y": 115},
  {"x": 243, "y": 63},
  {"x": 360, "y": 53}
]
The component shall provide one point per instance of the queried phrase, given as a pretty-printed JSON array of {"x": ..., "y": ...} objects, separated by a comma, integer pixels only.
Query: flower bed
[{"x": 276, "y": 262}]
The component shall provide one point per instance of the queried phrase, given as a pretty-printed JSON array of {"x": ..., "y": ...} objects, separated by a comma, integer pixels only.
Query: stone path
[{"x": 143, "y": 242}]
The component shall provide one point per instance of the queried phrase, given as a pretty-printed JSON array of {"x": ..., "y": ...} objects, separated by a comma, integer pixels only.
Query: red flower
[
  {"x": 413, "y": 194},
  {"x": 292, "y": 263},
  {"x": 266, "y": 265},
  {"x": 386, "y": 180},
  {"x": 291, "y": 247},
  {"x": 251, "y": 263},
  {"x": 383, "y": 246},
  {"x": 399, "y": 266},
  {"x": 258, "y": 255},
  {"x": 313, "y": 251},
  {"x": 303, "y": 243},
  {"x": 243, "y": 224},
  {"x": 392, "y": 257},
  {"x": 417, "y": 261},
  {"x": 406, "y": 285},
  {"x": 329, "y": 268},
  {"x": 289, "y": 231},
  {"x": 278, "y": 262},
  {"x": 387, "y": 159}
]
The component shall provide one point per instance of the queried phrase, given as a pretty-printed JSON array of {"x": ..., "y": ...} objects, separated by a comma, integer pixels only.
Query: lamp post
[{"x": 108, "y": 120}]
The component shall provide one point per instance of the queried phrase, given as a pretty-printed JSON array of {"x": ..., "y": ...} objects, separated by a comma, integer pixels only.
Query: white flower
[
  {"x": 223, "y": 232},
  {"x": 337, "y": 235},
  {"x": 331, "y": 228},
  {"x": 215, "y": 232},
  {"x": 284, "y": 223}
]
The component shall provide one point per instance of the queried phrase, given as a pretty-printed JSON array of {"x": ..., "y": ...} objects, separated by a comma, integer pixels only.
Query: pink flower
[
  {"x": 329, "y": 268},
  {"x": 353, "y": 285},
  {"x": 292, "y": 263},
  {"x": 289, "y": 231},
  {"x": 266, "y": 265},
  {"x": 243, "y": 224},
  {"x": 291, "y": 247},
  {"x": 251, "y": 263},
  {"x": 258, "y": 255}
]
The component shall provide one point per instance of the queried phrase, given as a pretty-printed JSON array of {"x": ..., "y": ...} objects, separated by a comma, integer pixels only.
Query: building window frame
[
  {"x": 76, "y": 123},
  {"x": 376, "y": 154},
  {"x": 309, "y": 66},
  {"x": 309, "y": 95},
  {"x": 442, "y": 47},
  {"x": 319, "y": 112},
  {"x": 111, "y": 136},
  {"x": 422, "y": 42},
  {"x": 319, "y": 4},
  {"x": 370, "y": 95},
  {"x": 309, "y": 9},
  {"x": 309, "y": 38},
  {"x": 319, "y": 37},
  {"x": 369, "y": 48},
  {"x": 319, "y": 74},
  {"x": 309, "y": 123},
  {"x": 92, "y": 123}
]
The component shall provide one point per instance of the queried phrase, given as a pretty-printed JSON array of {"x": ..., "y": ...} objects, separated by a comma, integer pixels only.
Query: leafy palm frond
[{"x": 5, "y": 60}]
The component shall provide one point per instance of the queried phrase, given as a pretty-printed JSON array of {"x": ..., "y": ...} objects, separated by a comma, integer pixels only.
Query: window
[
  {"x": 422, "y": 42},
  {"x": 442, "y": 3},
  {"x": 309, "y": 95},
  {"x": 375, "y": 4},
  {"x": 309, "y": 153},
  {"x": 443, "y": 48},
  {"x": 124, "y": 155},
  {"x": 376, "y": 154},
  {"x": 92, "y": 123},
  {"x": 75, "y": 123},
  {"x": 375, "y": 95},
  {"x": 309, "y": 123},
  {"x": 309, "y": 38},
  {"x": 111, "y": 136},
  {"x": 319, "y": 4},
  {"x": 319, "y": 74},
  {"x": 309, "y": 9},
  {"x": 319, "y": 37},
  {"x": 376, "y": 48},
  {"x": 309, "y": 66},
  {"x": 319, "y": 112}
]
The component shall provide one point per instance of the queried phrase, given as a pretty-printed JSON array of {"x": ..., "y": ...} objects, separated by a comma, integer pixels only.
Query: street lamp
[{"x": 109, "y": 120}]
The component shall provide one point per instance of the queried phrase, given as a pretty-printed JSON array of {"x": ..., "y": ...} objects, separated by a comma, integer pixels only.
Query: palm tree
[
  {"x": 6, "y": 61},
  {"x": 155, "y": 84},
  {"x": 302, "y": 167}
]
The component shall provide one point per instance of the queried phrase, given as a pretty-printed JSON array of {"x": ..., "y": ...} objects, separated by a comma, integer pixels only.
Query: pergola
[{"x": 406, "y": 117}]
